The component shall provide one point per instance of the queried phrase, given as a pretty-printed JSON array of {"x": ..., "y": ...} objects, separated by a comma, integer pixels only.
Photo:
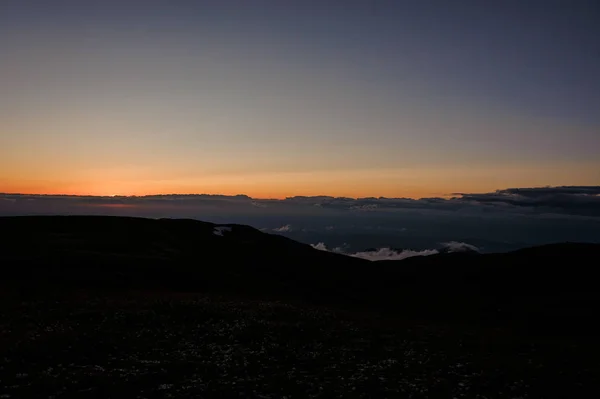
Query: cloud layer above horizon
[
  {"x": 563, "y": 201},
  {"x": 387, "y": 228}
]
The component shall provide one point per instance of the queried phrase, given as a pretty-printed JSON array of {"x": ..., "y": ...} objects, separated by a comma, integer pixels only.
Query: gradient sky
[{"x": 280, "y": 98}]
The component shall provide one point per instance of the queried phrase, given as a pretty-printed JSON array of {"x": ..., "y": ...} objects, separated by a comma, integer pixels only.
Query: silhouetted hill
[
  {"x": 177, "y": 254},
  {"x": 543, "y": 284}
]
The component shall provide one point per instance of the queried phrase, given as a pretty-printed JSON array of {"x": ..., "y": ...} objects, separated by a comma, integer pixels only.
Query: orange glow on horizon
[{"x": 408, "y": 183}]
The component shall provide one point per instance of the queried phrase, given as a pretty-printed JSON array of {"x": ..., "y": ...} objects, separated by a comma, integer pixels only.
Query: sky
[{"x": 398, "y": 98}]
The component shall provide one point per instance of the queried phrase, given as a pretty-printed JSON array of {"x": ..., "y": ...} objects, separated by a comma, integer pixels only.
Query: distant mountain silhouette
[{"x": 549, "y": 285}]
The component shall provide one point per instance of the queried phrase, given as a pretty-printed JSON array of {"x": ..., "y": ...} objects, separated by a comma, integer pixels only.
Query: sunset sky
[{"x": 310, "y": 97}]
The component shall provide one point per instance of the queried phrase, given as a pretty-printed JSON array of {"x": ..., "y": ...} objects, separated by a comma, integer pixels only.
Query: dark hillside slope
[
  {"x": 547, "y": 269},
  {"x": 165, "y": 253},
  {"x": 553, "y": 284}
]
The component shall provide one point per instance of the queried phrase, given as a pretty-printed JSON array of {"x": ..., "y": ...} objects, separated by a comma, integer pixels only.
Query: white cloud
[
  {"x": 219, "y": 230},
  {"x": 320, "y": 246},
  {"x": 283, "y": 229},
  {"x": 380, "y": 254},
  {"x": 390, "y": 254}
]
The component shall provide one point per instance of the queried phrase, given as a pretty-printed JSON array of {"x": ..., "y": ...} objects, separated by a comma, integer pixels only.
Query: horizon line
[
  {"x": 216, "y": 195},
  {"x": 445, "y": 196}
]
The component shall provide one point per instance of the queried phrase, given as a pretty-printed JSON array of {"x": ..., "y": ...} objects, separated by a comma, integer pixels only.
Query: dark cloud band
[{"x": 564, "y": 200}]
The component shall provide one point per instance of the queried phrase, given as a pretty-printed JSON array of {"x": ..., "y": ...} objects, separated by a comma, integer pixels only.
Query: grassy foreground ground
[{"x": 164, "y": 345}]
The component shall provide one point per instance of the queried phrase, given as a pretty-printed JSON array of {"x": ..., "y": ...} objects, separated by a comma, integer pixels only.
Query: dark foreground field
[
  {"x": 151, "y": 345},
  {"x": 138, "y": 308}
]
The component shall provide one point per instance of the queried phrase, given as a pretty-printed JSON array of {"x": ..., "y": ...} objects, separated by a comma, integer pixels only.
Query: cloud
[
  {"x": 495, "y": 222},
  {"x": 220, "y": 230},
  {"x": 563, "y": 200},
  {"x": 569, "y": 200},
  {"x": 537, "y": 191},
  {"x": 454, "y": 246},
  {"x": 390, "y": 254},
  {"x": 576, "y": 200},
  {"x": 379, "y": 254},
  {"x": 284, "y": 229},
  {"x": 320, "y": 246}
]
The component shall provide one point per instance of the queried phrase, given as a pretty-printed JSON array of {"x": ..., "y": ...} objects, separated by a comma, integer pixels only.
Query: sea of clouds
[{"x": 497, "y": 221}]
